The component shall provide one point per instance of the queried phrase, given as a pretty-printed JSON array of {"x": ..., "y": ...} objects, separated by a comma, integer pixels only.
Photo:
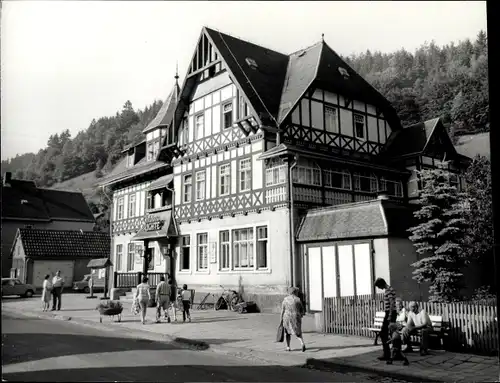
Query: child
[
  {"x": 186, "y": 301},
  {"x": 397, "y": 343}
]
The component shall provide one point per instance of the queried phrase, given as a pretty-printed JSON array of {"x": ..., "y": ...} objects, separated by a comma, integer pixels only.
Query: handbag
[{"x": 280, "y": 335}]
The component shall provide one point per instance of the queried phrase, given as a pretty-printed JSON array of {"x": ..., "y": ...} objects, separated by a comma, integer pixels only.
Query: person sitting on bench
[
  {"x": 402, "y": 317},
  {"x": 417, "y": 320}
]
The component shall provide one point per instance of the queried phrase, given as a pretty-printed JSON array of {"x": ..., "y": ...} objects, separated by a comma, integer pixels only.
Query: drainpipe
[{"x": 292, "y": 225}]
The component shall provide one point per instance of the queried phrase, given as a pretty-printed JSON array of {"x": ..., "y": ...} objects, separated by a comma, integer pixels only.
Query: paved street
[{"x": 47, "y": 350}]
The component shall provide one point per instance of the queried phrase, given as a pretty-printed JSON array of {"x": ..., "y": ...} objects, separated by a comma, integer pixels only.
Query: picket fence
[{"x": 472, "y": 327}]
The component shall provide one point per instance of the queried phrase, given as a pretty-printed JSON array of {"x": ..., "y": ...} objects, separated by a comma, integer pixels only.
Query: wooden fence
[
  {"x": 472, "y": 326},
  {"x": 128, "y": 280}
]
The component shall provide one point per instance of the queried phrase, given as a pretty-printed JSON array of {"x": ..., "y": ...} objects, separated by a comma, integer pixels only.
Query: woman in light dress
[
  {"x": 292, "y": 312},
  {"x": 143, "y": 296},
  {"x": 46, "y": 293}
]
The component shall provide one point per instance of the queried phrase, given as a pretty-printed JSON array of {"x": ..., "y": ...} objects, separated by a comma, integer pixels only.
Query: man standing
[
  {"x": 390, "y": 315},
  {"x": 417, "y": 321},
  {"x": 57, "y": 289},
  {"x": 162, "y": 299}
]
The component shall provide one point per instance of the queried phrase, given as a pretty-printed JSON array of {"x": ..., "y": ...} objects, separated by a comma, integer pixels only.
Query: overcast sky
[{"x": 65, "y": 63}]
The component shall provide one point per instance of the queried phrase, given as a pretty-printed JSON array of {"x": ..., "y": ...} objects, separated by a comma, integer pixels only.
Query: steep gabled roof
[
  {"x": 121, "y": 172},
  {"x": 262, "y": 85},
  {"x": 166, "y": 112},
  {"x": 64, "y": 243}
]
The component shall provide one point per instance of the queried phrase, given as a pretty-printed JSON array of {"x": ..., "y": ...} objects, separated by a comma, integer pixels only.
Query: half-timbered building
[{"x": 233, "y": 183}]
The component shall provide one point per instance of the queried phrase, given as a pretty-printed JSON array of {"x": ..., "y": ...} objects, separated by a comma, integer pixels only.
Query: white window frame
[
  {"x": 202, "y": 252},
  {"x": 156, "y": 149},
  {"x": 130, "y": 256},
  {"x": 118, "y": 256},
  {"x": 149, "y": 151},
  {"x": 225, "y": 250},
  {"x": 200, "y": 185},
  {"x": 259, "y": 239},
  {"x": 307, "y": 175},
  {"x": 131, "y": 205},
  {"x": 130, "y": 160},
  {"x": 120, "y": 208},
  {"x": 331, "y": 117},
  {"x": 224, "y": 180},
  {"x": 225, "y": 112},
  {"x": 328, "y": 175},
  {"x": 240, "y": 244},
  {"x": 244, "y": 109},
  {"x": 276, "y": 175},
  {"x": 245, "y": 174},
  {"x": 358, "y": 119},
  {"x": 187, "y": 189},
  {"x": 199, "y": 123},
  {"x": 185, "y": 243}
]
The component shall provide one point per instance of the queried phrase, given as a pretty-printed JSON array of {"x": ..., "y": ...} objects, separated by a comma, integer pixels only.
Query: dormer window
[
  {"x": 228, "y": 115},
  {"x": 251, "y": 63},
  {"x": 150, "y": 151},
  {"x": 130, "y": 160}
]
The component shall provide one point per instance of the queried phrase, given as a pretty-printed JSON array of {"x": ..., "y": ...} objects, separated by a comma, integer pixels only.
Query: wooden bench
[{"x": 439, "y": 327}]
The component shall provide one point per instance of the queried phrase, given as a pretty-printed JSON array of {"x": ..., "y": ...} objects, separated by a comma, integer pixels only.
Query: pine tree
[{"x": 438, "y": 236}]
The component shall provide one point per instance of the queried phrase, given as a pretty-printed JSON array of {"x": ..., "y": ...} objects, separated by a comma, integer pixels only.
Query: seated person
[
  {"x": 417, "y": 320},
  {"x": 402, "y": 316}
]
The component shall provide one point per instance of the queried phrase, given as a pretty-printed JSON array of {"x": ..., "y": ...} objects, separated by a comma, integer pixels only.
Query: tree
[{"x": 438, "y": 236}]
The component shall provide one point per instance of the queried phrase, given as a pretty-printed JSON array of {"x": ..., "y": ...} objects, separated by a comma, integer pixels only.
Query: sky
[{"x": 65, "y": 63}]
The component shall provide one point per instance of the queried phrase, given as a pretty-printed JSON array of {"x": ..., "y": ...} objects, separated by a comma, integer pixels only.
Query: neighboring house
[
  {"x": 221, "y": 190},
  {"x": 37, "y": 252},
  {"x": 25, "y": 205}
]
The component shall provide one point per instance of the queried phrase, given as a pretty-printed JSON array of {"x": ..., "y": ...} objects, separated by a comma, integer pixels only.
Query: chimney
[{"x": 7, "y": 177}]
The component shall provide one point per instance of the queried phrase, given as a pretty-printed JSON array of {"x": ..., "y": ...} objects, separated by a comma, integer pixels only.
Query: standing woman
[
  {"x": 143, "y": 296},
  {"x": 46, "y": 291},
  {"x": 292, "y": 312},
  {"x": 173, "y": 297}
]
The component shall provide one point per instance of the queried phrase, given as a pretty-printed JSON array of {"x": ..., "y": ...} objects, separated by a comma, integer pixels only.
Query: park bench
[{"x": 439, "y": 328}]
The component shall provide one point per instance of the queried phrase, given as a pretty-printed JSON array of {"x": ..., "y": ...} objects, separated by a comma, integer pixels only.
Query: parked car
[
  {"x": 13, "y": 286},
  {"x": 83, "y": 285}
]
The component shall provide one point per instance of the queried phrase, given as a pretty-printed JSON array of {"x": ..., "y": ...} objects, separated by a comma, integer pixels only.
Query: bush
[{"x": 109, "y": 305}]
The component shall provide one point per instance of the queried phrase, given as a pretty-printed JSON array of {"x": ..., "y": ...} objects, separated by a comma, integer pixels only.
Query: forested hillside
[{"x": 449, "y": 81}]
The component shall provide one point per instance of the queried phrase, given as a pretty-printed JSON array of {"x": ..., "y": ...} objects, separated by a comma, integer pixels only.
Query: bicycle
[{"x": 230, "y": 298}]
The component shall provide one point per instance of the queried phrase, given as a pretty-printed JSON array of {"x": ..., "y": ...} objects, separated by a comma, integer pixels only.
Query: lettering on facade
[{"x": 153, "y": 223}]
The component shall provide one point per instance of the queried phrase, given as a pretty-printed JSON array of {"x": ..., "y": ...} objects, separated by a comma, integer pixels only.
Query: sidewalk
[{"x": 252, "y": 336}]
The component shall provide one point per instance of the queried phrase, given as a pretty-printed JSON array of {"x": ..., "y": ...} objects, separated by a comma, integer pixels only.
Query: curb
[{"x": 324, "y": 365}]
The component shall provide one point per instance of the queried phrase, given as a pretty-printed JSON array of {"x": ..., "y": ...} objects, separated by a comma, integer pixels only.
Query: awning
[
  {"x": 99, "y": 263},
  {"x": 161, "y": 182},
  {"x": 158, "y": 225}
]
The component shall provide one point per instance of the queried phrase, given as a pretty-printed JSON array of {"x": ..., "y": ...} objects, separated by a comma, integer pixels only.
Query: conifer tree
[{"x": 438, "y": 236}]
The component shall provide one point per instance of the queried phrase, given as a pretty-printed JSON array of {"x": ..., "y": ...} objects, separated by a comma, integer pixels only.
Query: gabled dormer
[{"x": 134, "y": 153}]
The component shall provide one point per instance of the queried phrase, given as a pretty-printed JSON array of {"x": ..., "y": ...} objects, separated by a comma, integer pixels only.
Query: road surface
[{"x": 52, "y": 350}]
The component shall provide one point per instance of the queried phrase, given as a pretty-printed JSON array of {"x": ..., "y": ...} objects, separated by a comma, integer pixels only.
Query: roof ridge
[
  {"x": 245, "y": 41},
  {"x": 306, "y": 48}
]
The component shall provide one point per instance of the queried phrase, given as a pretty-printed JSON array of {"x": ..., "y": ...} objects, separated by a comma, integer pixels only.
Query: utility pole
[{"x": 493, "y": 64}]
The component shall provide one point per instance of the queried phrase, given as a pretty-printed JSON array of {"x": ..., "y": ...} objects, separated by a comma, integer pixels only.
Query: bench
[{"x": 439, "y": 327}]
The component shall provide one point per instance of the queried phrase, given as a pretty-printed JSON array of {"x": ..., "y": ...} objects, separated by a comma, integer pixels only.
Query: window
[
  {"x": 244, "y": 111},
  {"x": 130, "y": 257},
  {"x": 224, "y": 179},
  {"x": 131, "y": 205},
  {"x": 359, "y": 126},
  {"x": 202, "y": 250},
  {"x": 120, "y": 208},
  {"x": 150, "y": 151},
  {"x": 262, "y": 247},
  {"x": 310, "y": 175},
  {"x": 275, "y": 175},
  {"x": 188, "y": 187},
  {"x": 150, "y": 201},
  {"x": 130, "y": 160},
  {"x": 199, "y": 125},
  {"x": 243, "y": 248},
  {"x": 340, "y": 179},
  {"x": 200, "y": 185},
  {"x": 156, "y": 149},
  {"x": 365, "y": 182},
  {"x": 454, "y": 181},
  {"x": 119, "y": 254},
  {"x": 151, "y": 264},
  {"x": 185, "y": 252},
  {"x": 245, "y": 174},
  {"x": 394, "y": 188},
  {"x": 185, "y": 132},
  {"x": 225, "y": 245},
  {"x": 331, "y": 119},
  {"x": 227, "y": 115}
]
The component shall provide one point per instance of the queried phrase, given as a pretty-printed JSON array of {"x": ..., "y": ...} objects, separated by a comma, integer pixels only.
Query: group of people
[
  {"x": 52, "y": 287},
  {"x": 398, "y": 322},
  {"x": 166, "y": 298}
]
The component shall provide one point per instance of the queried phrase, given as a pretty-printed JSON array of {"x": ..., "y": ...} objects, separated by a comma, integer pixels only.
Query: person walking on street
[
  {"x": 390, "y": 315},
  {"x": 186, "y": 302},
  {"x": 57, "y": 289},
  {"x": 162, "y": 299},
  {"x": 173, "y": 297},
  {"x": 143, "y": 296},
  {"x": 417, "y": 321},
  {"x": 46, "y": 290},
  {"x": 292, "y": 312}
]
